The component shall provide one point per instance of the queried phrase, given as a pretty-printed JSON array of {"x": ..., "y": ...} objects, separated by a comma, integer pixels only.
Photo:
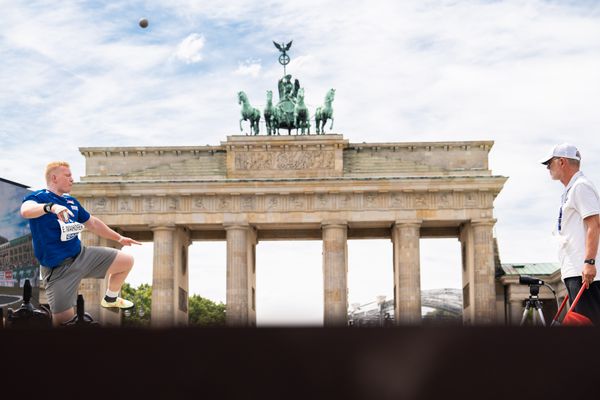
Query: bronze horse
[
  {"x": 301, "y": 116},
  {"x": 248, "y": 113},
  {"x": 271, "y": 114},
  {"x": 324, "y": 113}
]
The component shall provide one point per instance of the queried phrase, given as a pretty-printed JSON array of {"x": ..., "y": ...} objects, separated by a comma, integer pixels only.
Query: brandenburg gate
[{"x": 254, "y": 188}]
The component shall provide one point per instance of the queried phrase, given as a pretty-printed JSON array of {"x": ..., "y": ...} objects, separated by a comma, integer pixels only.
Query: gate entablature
[{"x": 296, "y": 201}]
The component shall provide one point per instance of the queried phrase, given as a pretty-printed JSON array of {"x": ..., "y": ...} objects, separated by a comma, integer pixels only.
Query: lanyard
[
  {"x": 560, "y": 217},
  {"x": 565, "y": 197}
]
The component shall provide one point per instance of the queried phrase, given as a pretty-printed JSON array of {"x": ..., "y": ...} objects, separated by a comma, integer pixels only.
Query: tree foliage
[
  {"x": 204, "y": 312},
  {"x": 142, "y": 298},
  {"x": 201, "y": 311}
]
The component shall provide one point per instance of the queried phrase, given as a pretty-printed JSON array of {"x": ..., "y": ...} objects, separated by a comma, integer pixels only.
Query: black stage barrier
[{"x": 426, "y": 362}]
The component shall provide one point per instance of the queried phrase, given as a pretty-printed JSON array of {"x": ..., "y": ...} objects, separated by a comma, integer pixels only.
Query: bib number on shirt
[{"x": 70, "y": 230}]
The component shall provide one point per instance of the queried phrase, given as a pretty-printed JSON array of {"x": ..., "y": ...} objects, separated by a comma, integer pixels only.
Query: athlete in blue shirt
[{"x": 56, "y": 219}]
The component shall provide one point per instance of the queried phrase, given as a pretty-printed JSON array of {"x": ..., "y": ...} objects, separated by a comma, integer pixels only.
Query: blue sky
[{"x": 523, "y": 73}]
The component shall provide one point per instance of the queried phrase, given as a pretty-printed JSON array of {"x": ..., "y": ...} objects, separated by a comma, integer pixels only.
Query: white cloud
[
  {"x": 189, "y": 50},
  {"x": 249, "y": 67}
]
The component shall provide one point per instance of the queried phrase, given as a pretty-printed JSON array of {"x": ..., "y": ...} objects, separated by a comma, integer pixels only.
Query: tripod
[{"x": 535, "y": 302}]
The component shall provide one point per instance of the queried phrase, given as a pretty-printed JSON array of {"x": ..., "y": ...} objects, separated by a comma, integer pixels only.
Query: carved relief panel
[
  {"x": 345, "y": 201},
  {"x": 297, "y": 202},
  {"x": 248, "y": 203},
  {"x": 125, "y": 205},
  {"x": 323, "y": 201},
  {"x": 284, "y": 160},
  {"x": 298, "y": 157}
]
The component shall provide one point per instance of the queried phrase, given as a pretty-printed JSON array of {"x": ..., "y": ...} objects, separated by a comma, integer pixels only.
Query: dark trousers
[{"x": 589, "y": 302}]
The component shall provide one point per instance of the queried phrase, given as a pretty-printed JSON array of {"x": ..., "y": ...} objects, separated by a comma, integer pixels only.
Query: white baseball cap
[{"x": 565, "y": 150}]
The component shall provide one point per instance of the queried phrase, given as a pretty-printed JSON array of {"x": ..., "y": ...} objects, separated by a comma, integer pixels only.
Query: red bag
[
  {"x": 571, "y": 317},
  {"x": 575, "y": 319}
]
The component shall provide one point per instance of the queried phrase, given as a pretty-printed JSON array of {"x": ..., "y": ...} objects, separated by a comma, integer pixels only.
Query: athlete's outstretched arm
[{"x": 95, "y": 225}]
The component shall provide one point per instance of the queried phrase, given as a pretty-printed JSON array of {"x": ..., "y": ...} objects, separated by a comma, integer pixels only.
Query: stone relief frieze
[
  {"x": 200, "y": 203},
  {"x": 284, "y": 160},
  {"x": 404, "y": 200},
  {"x": 173, "y": 204},
  {"x": 421, "y": 200},
  {"x": 470, "y": 200},
  {"x": 151, "y": 204},
  {"x": 125, "y": 205},
  {"x": 101, "y": 204},
  {"x": 345, "y": 201},
  {"x": 401, "y": 200},
  {"x": 397, "y": 200},
  {"x": 486, "y": 199},
  {"x": 224, "y": 203},
  {"x": 322, "y": 201},
  {"x": 274, "y": 203},
  {"x": 297, "y": 202},
  {"x": 248, "y": 203},
  {"x": 444, "y": 200},
  {"x": 372, "y": 200}
]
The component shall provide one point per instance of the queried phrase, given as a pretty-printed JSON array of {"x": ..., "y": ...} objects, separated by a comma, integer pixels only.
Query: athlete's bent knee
[
  {"x": 123, "y": 262},
  {"x": 128, "y": 261}
]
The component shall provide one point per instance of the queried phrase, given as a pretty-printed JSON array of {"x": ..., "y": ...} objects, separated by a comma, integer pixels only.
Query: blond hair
[{"x": 53, "y": 165}]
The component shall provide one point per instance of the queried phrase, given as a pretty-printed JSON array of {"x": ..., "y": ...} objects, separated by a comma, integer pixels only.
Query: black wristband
[
  {"x": 591, "y": 261},
  {"x": 48, "y": 207}
]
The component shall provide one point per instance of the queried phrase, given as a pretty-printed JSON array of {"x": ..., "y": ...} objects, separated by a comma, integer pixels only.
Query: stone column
[
  {"x": 335, "y": 273},
  {"x": 483, "y": 286},
  {"x": 181, "y": 276},
  {"x": 407, "y": 272},
  {"x": 240, "y": 275},
  {"x": 252, "y": 242},
  {"x": 466, "y": 247},
  {"x": 163, "y": 277}
]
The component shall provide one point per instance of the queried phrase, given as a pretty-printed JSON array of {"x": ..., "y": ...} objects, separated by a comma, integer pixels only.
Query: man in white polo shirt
[{"x": 577, "y": 228}]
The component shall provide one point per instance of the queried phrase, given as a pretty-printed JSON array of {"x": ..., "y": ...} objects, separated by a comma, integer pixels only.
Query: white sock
[{"x": 111, "y": 294}]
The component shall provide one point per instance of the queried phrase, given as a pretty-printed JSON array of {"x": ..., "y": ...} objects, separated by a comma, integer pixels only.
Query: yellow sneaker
[{"x": 118, "y": 303}]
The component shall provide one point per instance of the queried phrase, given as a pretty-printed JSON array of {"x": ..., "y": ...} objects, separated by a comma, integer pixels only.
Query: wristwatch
[
  {"x": 48, "y": 207},
  {"x": 591, "y": 261}
]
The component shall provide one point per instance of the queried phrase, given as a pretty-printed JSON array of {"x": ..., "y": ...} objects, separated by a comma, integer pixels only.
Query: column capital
[
  {"x": 334, "y": 224},
  {"x": 237, "y": 226},
  {"x": 483, "y": 222},
  {"x": 408, "y": 223},
  {"x": 162, "y": 227}
]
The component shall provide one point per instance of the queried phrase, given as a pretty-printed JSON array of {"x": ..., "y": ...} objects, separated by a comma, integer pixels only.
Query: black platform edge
[{"x": 303, "y": 363}]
